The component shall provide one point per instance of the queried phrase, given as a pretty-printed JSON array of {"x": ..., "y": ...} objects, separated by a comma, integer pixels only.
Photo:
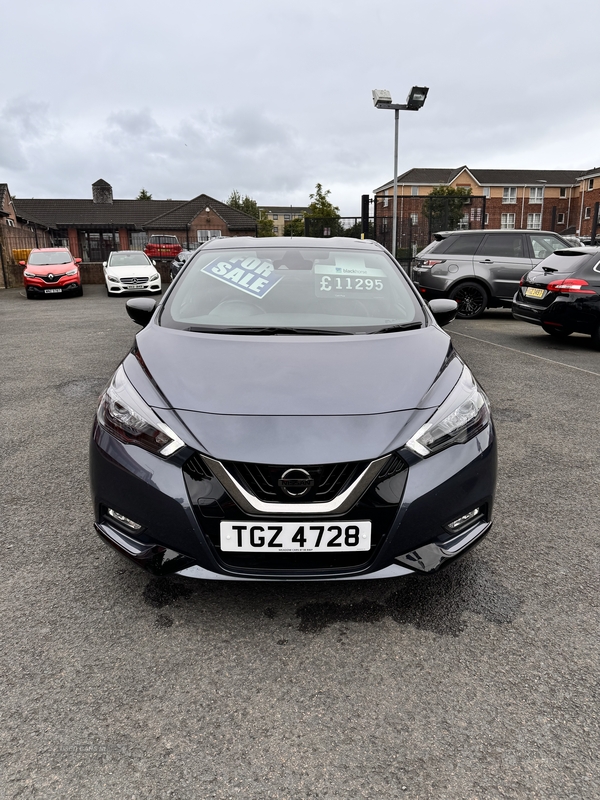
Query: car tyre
[
  {"x": 78, "y": 292},
  {"x": 472, "y": 299},
  {"x": 596, "y": 338},
  {"x": 558, "y": 333}
]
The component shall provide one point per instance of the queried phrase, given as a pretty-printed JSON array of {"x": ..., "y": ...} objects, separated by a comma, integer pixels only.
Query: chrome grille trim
[{"x": 339, "y": 505}]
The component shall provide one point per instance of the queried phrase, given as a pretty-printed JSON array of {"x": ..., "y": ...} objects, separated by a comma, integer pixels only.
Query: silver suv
[{"x": 482, "y": 268}]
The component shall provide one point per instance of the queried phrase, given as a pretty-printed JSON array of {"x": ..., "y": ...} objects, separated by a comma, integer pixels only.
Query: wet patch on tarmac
[
  {"x": 162, "y": 592},
  {"x": 91, "y": 387},
  {"x": 510, "y": 415},
  {"x": 163, "y": 621},
  {"x": 433, "y": 603}
]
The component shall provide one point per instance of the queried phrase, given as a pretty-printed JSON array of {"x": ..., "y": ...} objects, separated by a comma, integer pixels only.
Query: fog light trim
[
  {"x": 461, "y": 522},
  {"x": 123, "y": 519}
]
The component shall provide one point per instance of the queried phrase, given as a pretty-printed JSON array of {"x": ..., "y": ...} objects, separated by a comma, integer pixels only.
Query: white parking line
[{"x": 524, "y": 353}]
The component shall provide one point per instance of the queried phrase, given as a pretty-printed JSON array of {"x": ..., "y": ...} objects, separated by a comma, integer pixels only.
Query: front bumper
[
  {"x": 48, "y": 289},
  {"x": 120, "y": 288},
  {"x": 178, "y": 535}
]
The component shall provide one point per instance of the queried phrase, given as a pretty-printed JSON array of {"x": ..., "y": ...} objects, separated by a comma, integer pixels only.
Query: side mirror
[
  {"x": 444, "y": 311},
  {"x": 23, "y": 263},
  {"x": 140, "y": 309},
  {"x": 78, "y": 261},
  {"x": 104, "y": 263},
  {"x": 153, "y": 263}
]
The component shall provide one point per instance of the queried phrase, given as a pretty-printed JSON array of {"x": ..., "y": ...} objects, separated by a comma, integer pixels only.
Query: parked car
[
  {"x": 480, "y": 268},
  {"x": 179, "y": 261},
  {"x": 129, "y": 271},
  {"x": 51, "y": 271},
  {"x": 292, "y": 410},
  {"x": 163, "y": 247},
  {"x": 562, "y": 294}
]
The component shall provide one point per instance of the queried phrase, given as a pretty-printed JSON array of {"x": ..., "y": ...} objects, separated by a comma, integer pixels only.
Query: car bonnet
[{"x": 293, "y": 375}]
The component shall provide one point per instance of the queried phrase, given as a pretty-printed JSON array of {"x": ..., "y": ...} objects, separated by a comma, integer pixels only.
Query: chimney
[{"x": 102, "y": 192}]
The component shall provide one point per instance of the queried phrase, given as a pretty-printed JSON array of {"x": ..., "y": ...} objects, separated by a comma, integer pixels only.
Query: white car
[{"x": 130, "y": 271}]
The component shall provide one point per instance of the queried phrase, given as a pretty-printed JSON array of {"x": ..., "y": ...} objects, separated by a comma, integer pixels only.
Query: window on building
[
  {"x": 563, "y": 191},
  {"x": 509, "y": 194},
  {"x": 536, "y": 194},
  {"x": 384, "y": 224},
  {"x": 560, "y": 218},
  {"x": 275, "y": 216},
  {"x": 275, "y": 228},
  {"x": 10, "y": 222},
  {"x": 534, "y": 222},
  {"x": 486, "y": 219},
  {"x": 414, "y": 218},
  {"x": 464, "y": 223},
  {"x": 205, "y": 236},
  {"x": 385, "y": 201},
  {"x": 507, "y": 220},
  {"x": 414, "y": 191},
  {"x": 486, "y": 191},
  {"x": 590, "y": 184},
  {"x": 587, "y": 212},
  {"x": 287, "y": 216}
]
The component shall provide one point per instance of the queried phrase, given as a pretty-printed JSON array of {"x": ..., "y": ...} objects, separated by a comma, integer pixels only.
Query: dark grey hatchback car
[{"x": 292, "y": 410}]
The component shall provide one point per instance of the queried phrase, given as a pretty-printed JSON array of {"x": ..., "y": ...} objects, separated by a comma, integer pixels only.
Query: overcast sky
[{"x": 271, "y": 97}]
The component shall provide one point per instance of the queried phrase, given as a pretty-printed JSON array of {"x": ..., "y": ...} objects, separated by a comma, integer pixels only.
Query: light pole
[{"x": 415, "y": 100}]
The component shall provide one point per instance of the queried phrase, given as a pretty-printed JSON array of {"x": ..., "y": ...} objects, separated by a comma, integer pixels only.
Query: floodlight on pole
[{"x": 415, "y": 100}]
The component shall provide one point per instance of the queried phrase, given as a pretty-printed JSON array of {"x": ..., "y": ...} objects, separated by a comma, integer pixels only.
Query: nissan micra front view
[{"x": 292, "y": 410}]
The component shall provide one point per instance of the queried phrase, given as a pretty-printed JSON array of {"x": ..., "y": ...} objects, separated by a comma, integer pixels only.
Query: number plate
[
  {"x": 531, "y": 292},
  {"x": 295, "y": 537},
  {"x": 52, "y": 291}
]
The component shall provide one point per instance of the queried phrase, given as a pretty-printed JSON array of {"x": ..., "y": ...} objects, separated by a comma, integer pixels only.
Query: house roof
[
  {"x": 590, "y": 173},
  {"x": 183, "y": 215},
  {"x": 487, "y": 177},
  {"x": 284, "y": 209},
  {"x": 86, "y": 213}
]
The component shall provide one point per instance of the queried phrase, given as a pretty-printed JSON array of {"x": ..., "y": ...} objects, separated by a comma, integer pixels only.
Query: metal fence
[{"x": 419, "y": 218}]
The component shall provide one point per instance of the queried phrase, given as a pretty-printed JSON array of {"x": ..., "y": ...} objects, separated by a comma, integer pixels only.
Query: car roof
[
  {"x": 50, "y": 250},
  {"x": 494, "y": 230},
  {"x": 118, "y": 252},
  {"x": 277, "y": 242}
]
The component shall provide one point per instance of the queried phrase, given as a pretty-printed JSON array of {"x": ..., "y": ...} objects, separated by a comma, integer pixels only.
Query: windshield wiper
[
  {"x": 267, "y": 331},
  {"x": 408, "y": 326}
]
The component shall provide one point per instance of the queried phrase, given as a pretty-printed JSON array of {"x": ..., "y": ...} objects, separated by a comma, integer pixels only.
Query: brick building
[
  {"x": 92, "y": 228},
  {"x": 560, "y": 200},
  {"x": 282, "y": 214}
]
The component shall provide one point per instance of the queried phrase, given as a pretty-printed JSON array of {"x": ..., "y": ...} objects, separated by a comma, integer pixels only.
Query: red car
[
  {"x": 51, "y": 270},
  {"x": 160, "y": 246}
]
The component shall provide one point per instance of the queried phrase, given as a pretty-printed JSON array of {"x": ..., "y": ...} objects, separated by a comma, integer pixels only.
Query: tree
[
  {"x": 265, "y": 225},
  {"x": 245, "y": 204},
  {"x": 327, "y": 222},
  {"x": 444, "y": 206},
  {"x": 294, "y": 227},
  {"x": 144, "y": 195}
]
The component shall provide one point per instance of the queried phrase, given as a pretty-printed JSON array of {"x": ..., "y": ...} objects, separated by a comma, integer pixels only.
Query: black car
[
  {"x": 292, "y": 410},
  {"x": 179, "y": 261},
  {"x": 562, "y": 294}
]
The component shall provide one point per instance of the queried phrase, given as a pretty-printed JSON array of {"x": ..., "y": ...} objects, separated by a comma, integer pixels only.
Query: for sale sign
[{"x": 251, "y": 275}]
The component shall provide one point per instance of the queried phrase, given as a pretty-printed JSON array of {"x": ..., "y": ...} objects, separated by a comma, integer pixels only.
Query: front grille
[
  {"x": 264, "y": 481},
  {"x": 134, "y": 281},
  {"x": 379, "y": 504},
  {"x": 53, "y": 279}
]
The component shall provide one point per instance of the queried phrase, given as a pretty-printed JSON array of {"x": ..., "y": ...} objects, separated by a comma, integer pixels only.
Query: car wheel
[
  {"x": 472, "y": 300},
  {"x": 596, "y": 338},
  {"x": 558, "y": 333},
  {"x": 29, "y": 295},
  {"x": 78, "y": 292}
]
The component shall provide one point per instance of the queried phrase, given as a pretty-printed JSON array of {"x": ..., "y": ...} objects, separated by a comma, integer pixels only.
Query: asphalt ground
[{"x": 479, "y": 682}]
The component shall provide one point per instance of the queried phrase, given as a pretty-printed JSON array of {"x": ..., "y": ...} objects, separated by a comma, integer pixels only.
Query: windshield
[
  {"x": 130, "y": 259},
  {"x": 307, "y": 289},
  {"x": 164, "y": 240},
  {"x": 48, "y": 259}
]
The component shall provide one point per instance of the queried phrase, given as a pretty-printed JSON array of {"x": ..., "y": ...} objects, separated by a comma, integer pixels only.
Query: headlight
[
  {"x": 124, "y": 414},
  {"x": 155, "y": 277},
  {"x": 71, "y": 272},
  {"x": 464, "y": 413},
  {"x": 30, "y": 274},
  {"x": 112, "y": 279}
]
